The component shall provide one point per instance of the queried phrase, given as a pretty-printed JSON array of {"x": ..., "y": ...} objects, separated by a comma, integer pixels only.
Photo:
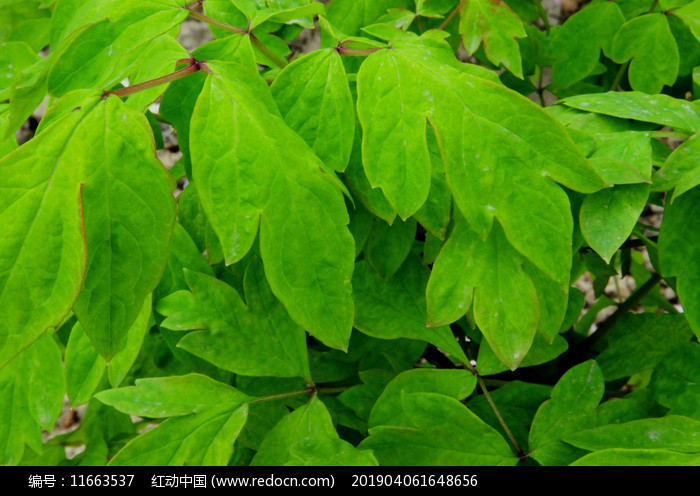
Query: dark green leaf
[
  {"x": 679, "y": 251},
  {"x": 638, "y": 458},
  {"x": 203, "y": 439},
  {"x": 396, "y": 308},
  {"x": 639, "y": 342},
  {"x": 389, "y": 245},
  {"x": 672, "y": 433},
  {"x": 571, "y": 409},
  {"x": 290, "y": 441},
  {"x": 440, "y": 431},
  {"x": 388, "y": 410},
  {"x": 676, "y": 381}
]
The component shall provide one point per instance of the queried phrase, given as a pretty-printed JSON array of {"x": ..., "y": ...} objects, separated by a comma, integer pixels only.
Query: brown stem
[
  {"x": 266, "y": 51},
  {"x": 357, "y": 52},
  {"x": 186, "y": 71},
  {"x": 201, "y": 17},
  {"x": 457, "y": 9}
]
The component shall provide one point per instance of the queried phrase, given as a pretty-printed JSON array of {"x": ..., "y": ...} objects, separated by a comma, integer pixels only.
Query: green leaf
[
  {"x": 638, "y": 458},
  {"x": 648, "y": 42},
  {"x": 258, "y": 339},
  {"x": 358, "y": 184},
  {"x": 639, "y": 342},
  {"x": 41, "y": 220},
  {"x": 203, "y": 439},
  {"x": 507, "y": 308},
  {"x": 329, "y": 453},
  {"x": 31, "y": 397},
  {"x": 315, "y": 101},
  {"x": 286, "y": 15},
  {"x": 183, "y": 254},
  {"x": 540, "y": 352},
  {"x": 679, "y": 251},
  {"x": 352, "y": 15},
  {"x": 608, "y": 217},
  {"x": 309, "y": 253},
  {"x": 492, "y": 23},
  {"x": 129, "y": 214},
  {"x": 394, "y": 147},
  {"x": 306, "y": 247},
  {"x": 15, "y": 57},
  {"x": 672, "y": 433},
  {"x": 297, "y": 433},
  {"x": 576, "y": 45},
  {"x": 396, "y": 308},
  {"x": 572, "y": 408},
  {"x": 690, "y": 15},
  {"x": 173, "y": 396},
  {"x": 660, "y": 109},
  {"x": 680, "y": 170},
  {"x": 99, "y": 53},
  {"x": 10, "y": 143},
  {"x": 434, "y": 215},
  {"x": 25, "y": 21},
  {"x": 676, "y": 381},
  {"x": 389, "y": 245},
  {"x": 232, "y": 182},
  {"x": 442, "y": 431},
  {"x": 458, "y": 103},
  {"x": 85, "y": 367},
  {"x": 361, "y": 398},
  {"x": 388, "y": 410}
]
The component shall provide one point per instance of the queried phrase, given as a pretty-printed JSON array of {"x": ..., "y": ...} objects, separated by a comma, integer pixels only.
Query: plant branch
[
  {"x": 449, "y": 18},
  {"x": 186, "y": 71},
  {"x": 267, "y": 52},
  {"x": 201, "y": 17},
  {"x": 233, "y": 29},
  {"x": 625, "y": 307},
  {"x": 310, "y": 390},
  {"x": 357, "y": 52},
  {"x": 669, "y": 134},
  {"x": 494, "y": 407}
]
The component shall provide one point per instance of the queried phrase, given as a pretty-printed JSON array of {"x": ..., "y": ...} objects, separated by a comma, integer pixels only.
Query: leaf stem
[
  {"x": 280, "y": 396},
  {"x": 482, "y": 385},
  {"x": 201, "y": 17},
  {"x": 179, "y": 74},
  {"x": 357, "y": 52},
  {"x": 309, "y": 390},
  {"x": 618, "y": 76},
  {"x": 267, "y": 52},
  {"x": 669, "y": 134},
  {"x": 543, "y": 16},
  {"x": 449, "y": 18}
]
